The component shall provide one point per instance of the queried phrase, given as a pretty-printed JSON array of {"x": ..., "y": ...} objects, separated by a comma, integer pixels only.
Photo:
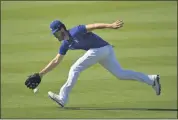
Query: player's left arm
[{"x": 115, "y": 25}]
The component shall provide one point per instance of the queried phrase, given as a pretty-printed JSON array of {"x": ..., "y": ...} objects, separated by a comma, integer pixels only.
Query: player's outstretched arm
[
  {"x": 115, "y": 25},
  {"x": 51, "y": 65}
]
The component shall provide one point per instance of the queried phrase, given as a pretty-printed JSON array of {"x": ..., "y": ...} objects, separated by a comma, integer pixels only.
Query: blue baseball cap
[{"x": 55, "y": 26}]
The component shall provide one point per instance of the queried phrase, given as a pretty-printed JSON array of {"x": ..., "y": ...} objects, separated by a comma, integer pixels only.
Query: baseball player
[{"x": 97, "y": 51}]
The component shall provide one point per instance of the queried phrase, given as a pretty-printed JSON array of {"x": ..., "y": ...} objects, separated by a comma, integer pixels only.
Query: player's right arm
[{"x": 115, "y": 25}]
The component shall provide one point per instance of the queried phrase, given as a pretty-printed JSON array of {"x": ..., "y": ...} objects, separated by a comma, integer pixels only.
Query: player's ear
[
  {"x": 64, "y": 27},
  {"x": 63, "y": 30}
]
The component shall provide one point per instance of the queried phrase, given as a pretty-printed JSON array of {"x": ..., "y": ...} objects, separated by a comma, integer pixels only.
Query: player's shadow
[{"x": 127, "y": 109}]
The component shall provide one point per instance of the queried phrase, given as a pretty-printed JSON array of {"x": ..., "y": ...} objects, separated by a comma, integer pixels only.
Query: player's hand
[{"x": 117, "y": 24}]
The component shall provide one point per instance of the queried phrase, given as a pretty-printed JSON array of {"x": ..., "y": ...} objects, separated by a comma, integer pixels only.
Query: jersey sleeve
[
  {"x": 80, "y": 29},
  {"x": 64, "y": 48}
]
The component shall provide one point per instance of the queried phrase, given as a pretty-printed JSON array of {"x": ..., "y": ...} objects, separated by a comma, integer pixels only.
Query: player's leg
[
  {"x": 112, "y": 65},
  {"x": 90, "y": 58}
]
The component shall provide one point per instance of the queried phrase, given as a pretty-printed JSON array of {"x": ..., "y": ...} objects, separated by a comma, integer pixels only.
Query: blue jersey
[{"x": 81, "y": 39}]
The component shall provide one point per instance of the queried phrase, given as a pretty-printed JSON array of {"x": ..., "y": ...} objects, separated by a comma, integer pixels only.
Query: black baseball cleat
[{"x": 55, "y": 98}]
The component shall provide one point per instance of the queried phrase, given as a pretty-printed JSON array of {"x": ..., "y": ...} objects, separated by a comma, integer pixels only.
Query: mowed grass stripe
[
  {"x": 119, "y": 49},
  {"x": 28, "y": 12},
  {"x": 16, "y": 5}
]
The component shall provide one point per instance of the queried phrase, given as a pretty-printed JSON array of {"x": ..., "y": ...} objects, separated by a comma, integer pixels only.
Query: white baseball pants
[{"x": 106, "y": 57}]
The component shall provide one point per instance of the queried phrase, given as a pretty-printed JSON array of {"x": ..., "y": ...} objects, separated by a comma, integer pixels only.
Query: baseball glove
[{"x": 33, "y": 81}]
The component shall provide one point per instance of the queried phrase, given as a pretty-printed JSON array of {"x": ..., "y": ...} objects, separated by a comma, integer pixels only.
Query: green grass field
[{"x": 147, "y": 43}]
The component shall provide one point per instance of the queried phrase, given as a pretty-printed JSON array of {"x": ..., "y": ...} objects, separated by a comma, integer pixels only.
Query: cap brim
[{"x": 53, "y": 31}]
